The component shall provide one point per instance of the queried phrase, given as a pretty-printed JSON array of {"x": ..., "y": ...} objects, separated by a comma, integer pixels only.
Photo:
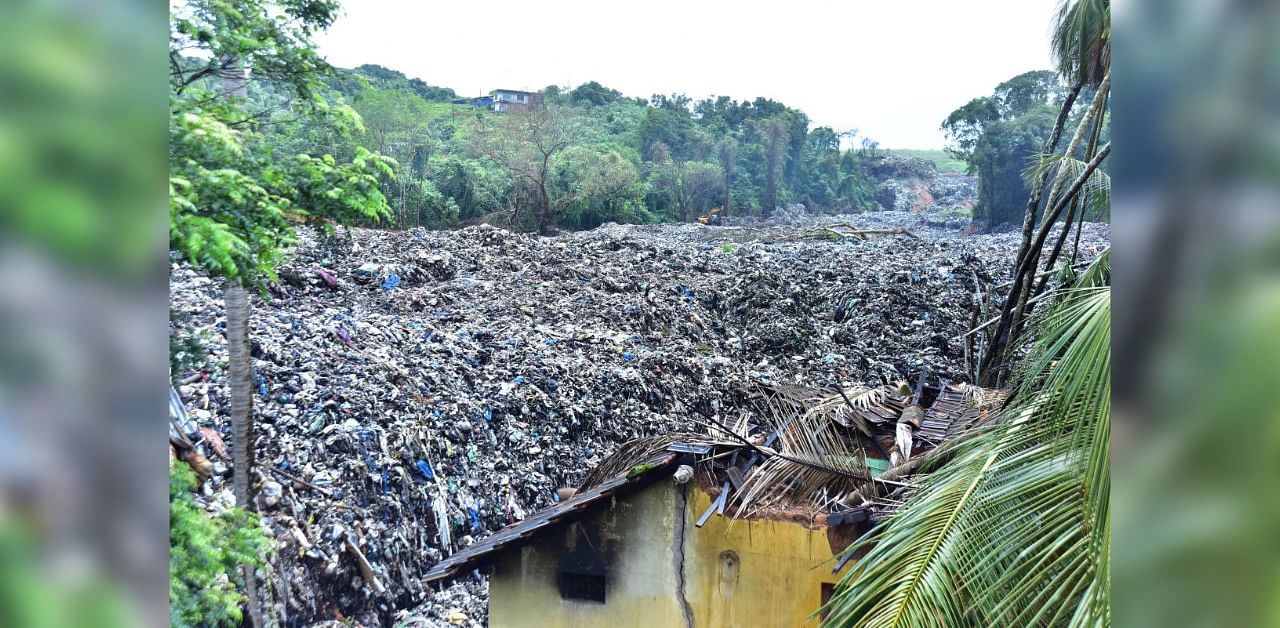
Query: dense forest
[
  {"x": 586, "y": 156},
  {"x": 590, "y": 155},
  {"x": 1000, "y": 137}
]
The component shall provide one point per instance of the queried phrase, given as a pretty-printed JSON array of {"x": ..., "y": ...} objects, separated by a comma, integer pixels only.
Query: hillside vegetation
[
  {"x": 586, "y": 156},
  {"x": 945, "y": 162}
]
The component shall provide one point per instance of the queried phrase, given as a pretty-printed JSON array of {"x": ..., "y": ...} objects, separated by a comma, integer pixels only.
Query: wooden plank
[
  {"x": 719, "y": 500},
  {"x": 735, "y": 477}
]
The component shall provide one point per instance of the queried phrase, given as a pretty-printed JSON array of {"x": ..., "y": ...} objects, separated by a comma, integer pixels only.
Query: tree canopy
[
  {"x": 1000, "y": 136},
  {"x": 438, "y": 163}
]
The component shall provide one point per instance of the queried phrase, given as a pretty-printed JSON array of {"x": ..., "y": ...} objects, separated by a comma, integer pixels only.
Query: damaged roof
[
  {"x": 819, "y": 455},
  {"x": 567, "y": 511}
]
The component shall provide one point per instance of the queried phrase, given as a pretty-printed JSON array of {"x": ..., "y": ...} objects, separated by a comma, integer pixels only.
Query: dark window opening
[
  {"x": 581, "y": 586},
  {"x": 827, "y": 589}
]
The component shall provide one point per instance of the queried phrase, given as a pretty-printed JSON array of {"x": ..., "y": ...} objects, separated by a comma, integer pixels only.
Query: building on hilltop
[
  {"x": 510, "y": 100},
  {"x": 504, "y": 101},
  {"x": 745, "y": 528}
]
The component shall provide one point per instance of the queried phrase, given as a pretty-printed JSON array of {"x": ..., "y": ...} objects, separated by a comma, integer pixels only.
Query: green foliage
[
  {"x": 593, "y": 187},
  {"x": 232, "y": 197},
  {"x": 476, "y": 185},
  {"x": 221, "y": 218},
  {"x": 683, "y": 190},
  {"x": 1082, "y": 40},
  {"x": 1003, "y": 152},
  {"x": 204, "y": 552},
  {"x": 999, "y": 136},
  {"x": 964, "y": 126},
  {"x": 272, "y": 38},
  {"x": 1015, "y": 529},
  {"x": 664, "y": 159},
  {"x": 593, "y": 93},
  {"x": 346, "y": 193},
  {"x": 1027, "y": 91},
  {"x": 352, "y": 82},
  {"x": 1011, "y": 100}
]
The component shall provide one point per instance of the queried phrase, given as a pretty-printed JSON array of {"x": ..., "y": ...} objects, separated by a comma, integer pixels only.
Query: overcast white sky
[{"x": 893, "y": 69}]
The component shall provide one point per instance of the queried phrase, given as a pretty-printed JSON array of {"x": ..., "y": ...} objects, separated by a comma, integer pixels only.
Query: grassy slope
[{"x": 945, "y": 162}]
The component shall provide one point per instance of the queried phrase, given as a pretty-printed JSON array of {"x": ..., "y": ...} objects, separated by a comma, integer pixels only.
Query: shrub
[{"x": 204, "y": 553}]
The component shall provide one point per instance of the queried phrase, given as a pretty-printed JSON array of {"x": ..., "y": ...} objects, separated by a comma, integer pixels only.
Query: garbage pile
[
  {"x": 951, "y": 191},
  {"x": 415, "y": 391}
]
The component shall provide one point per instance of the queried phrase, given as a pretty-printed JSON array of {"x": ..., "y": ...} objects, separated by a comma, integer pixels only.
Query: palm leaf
[{"x": 1015, "y": 528}]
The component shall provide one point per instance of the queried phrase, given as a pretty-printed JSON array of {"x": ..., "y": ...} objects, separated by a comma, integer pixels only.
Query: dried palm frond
[
  {"x": 864, "y": 398},
  {"x": 633, "y": 453},
  {"x": 980, "y": 398},
  {"x": 796, "y": 482}
]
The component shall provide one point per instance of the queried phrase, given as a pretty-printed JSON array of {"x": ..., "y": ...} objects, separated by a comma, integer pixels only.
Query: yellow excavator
[{"x": 712, "y": 217}]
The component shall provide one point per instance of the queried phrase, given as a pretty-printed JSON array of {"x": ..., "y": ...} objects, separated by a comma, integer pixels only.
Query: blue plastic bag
[{"x": 390, "y": 282}]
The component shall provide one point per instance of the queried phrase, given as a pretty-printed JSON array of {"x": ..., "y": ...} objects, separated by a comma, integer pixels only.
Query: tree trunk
[
  {"x": 1000, "y": 337},
  {"x": 1077, "y": 203},
  {"x": 240, "y": 383},
  {"x": 543, "y": 209},
  {"x": 240, "y": 387}
]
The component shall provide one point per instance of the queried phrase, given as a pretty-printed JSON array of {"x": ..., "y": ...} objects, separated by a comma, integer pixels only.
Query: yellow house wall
[
  {"x": 754, "y": 572},
  {"x": 663, "y": 571}
]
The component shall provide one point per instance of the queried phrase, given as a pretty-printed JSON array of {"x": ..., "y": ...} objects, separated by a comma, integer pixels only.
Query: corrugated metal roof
[{"x": 569, "y": 510}]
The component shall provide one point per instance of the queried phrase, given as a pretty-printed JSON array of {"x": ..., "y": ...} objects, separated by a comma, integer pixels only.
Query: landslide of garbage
[{"x": 418, "y": 390}]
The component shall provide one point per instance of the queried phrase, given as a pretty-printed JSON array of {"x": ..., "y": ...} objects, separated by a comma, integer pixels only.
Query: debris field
[{"x": 416, "y": 391}]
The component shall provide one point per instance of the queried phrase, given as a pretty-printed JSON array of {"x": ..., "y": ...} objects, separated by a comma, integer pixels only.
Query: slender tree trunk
[
  {"x": 1057, "y": 245},
  {"x": 240, "y": 387},
  {"x": 1050, "y": 145},
  {"x": 1033, "y": 253},
  {"x": 1026, "y": 272},
  {"x": 1076, "y": 204},
  {"x": 543, "y": 209},
  {"x": 240, "y": 383},
  {"x": 1000, "y": 336}
]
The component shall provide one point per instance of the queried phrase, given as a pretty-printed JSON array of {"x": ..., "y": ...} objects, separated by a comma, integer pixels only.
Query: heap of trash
[{"x": 417, "y": 390}]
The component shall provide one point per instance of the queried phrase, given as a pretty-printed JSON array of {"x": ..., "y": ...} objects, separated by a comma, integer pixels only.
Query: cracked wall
[{"x": 661, "y": 570}]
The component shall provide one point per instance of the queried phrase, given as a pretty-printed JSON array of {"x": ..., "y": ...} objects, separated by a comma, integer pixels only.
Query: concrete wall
[
  {"x": 636, "y": 539},
  {"x": 754, "y": 572},
  {"x": 662, "y": 571}
]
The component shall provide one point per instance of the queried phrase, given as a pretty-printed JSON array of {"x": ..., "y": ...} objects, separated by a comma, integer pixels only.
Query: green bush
[{"x": 204, "y": 552}]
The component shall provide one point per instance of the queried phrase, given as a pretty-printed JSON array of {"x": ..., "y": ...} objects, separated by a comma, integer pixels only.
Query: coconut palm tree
[
  {"x": 1013, "y": 530},
  {"x": 1081, "y": 47}
]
